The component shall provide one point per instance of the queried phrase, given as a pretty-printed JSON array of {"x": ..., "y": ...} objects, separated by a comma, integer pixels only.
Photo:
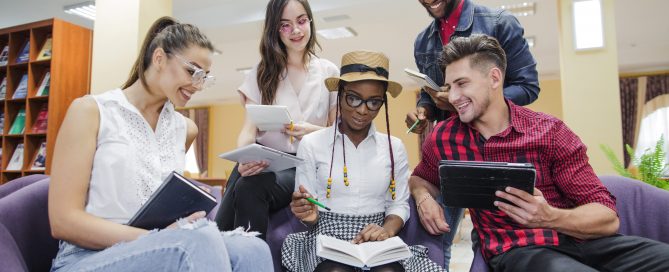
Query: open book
[
  {"x": 422, "y": 79},
  {"x": 268, "y": 117},
  {"x": 368, "y": 254},
  {"x": 278, "y": 160}
]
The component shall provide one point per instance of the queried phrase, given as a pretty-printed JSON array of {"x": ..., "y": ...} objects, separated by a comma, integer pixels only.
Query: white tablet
[
  {"x": 268, "y": 117},
  {"x": 278, "y": 160}
]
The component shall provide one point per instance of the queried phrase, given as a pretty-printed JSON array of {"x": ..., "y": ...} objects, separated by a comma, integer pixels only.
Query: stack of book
[
  {"x": 4, "y": 56},
  {"x": 19, "y": 125},
  {"x": 22, "y": 89},
  {"x": 24, "y": 56},
  {"x": 40, "y": 123},
  {"x": 16, "y": 162}
]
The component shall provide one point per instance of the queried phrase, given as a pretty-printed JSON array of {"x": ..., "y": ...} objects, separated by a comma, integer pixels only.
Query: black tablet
[{"x": 472, "y": 184}]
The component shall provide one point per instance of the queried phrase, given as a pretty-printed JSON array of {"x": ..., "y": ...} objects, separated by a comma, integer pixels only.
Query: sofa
[{"x": 25, "y": 235}]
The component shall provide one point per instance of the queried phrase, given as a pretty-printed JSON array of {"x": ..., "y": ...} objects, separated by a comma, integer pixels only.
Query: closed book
[
  {"x": 41, "y": 122},
  {"x": 3, "y": 89},
  {"x": 16, "y": 162},
  {"x": 4, "y": 55},
  {"x": 22, "y": 89},
  {"x": 365, "y": 255},
  {"x": 44, "y": 85},
  {"x": 24, "y": 56},
  {"x": 45, "y": 53},
  {"x": 39, "y": 161},
  {"x": 19, "y": 125},
  {"x": 177, "y": 197}
]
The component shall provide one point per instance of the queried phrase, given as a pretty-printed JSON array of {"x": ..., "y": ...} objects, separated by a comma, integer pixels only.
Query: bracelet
[{"x": 426, "y": 197}]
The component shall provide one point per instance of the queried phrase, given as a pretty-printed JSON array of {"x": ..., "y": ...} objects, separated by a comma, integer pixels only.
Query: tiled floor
[{"x": 461, "y": 252}]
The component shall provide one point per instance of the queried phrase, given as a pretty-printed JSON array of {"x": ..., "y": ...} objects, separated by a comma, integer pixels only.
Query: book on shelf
[
  {"x": 40, "y": 123},
  {"x": 2, "y": 122},
  {"x": 365, "y": 255},
  {"x": 22, "y": 89},
  {"x": 39, "y": 161},
  {"x": 3, "y": 89},
  {"x": 45, "y": 53},
  {"x": 4, "y": 55},
  {"x": 16, "y": 162},
  {"x": 19, "y": 125},
  {"x": 177, "y": 197},
  {"x": 43, "y": 89},
  {"x": 24, "y": 56}
]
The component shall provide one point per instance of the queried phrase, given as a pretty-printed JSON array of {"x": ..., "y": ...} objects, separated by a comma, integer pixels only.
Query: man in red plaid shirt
[{"x": 570, "y": 221}]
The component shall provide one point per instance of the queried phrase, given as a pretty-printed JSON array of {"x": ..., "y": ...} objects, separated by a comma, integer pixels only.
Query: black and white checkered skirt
[{"x": 298, "y": 253}]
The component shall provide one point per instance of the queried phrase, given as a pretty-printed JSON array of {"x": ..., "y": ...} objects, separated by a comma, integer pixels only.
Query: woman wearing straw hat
[
  {"x": 288, "y": 74},
  {"x": 357, "y": 172}
]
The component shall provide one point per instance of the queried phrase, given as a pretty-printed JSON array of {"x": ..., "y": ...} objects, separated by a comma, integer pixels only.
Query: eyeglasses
[
  {"x": 354, "y": 101},
  {"x": 198, "y": 76},
  {"x": 288, "y": 27}
]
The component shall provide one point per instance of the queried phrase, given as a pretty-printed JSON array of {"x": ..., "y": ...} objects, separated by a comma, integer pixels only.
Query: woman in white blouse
[
  {"x": 113, "y": 151},
  {"x": 357, "y": 172},
  {"x": 289, "y": 74}
]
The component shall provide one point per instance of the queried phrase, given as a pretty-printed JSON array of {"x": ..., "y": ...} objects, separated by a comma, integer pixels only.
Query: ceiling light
[
  {"x": 335, "y": 18},
  {"x": 85, "y": 9},
  {"x": 521, "y": 9},
  {"x": 337, "y": 33},
  {"x": 244, "y": 70},
  {"x": 588, "y": 25}
]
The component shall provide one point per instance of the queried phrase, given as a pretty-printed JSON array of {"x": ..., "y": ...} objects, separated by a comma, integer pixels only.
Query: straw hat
[{"x": 364, "y": 65}]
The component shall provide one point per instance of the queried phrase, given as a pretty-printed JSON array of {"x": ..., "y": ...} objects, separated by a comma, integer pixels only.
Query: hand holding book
[{"x": 371, "y": 232}]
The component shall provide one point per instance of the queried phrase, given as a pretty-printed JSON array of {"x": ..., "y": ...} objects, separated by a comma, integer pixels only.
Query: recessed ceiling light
[
  {"x": 337, "y": 33},
  {"x": 85, "y": 9},
  {"x": 521, "y": 9}
]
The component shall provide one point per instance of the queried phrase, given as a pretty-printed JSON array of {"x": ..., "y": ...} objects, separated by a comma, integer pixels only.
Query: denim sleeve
[
  {"x": 424, "y": 100},
  {"x": 521, "y": 83}
]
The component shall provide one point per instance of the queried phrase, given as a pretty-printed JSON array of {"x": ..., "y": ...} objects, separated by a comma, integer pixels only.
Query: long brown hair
[
  {"x": 170, "y": 35},
  {"x": 273, "y": 53}
]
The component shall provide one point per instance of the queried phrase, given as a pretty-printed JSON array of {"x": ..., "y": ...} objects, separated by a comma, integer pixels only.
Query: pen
[
  {"x": 317, "y": 203},
  {"x": 291, "y": 129},
  {"x": 414, "y": 125}
]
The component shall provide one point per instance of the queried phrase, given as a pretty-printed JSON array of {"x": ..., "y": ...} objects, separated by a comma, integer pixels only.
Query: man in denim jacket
[{"x": 454, "y": 18}]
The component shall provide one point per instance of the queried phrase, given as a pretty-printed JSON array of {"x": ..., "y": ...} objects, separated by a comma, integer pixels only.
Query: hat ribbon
[{"x": 361, "y": 68}]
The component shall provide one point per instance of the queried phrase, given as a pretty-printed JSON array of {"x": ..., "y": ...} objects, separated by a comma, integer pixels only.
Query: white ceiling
[{"x": 382, "y": 25}]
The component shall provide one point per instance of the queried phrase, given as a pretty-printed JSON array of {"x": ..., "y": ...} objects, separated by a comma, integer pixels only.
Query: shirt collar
[
  {"x": 370, "y": 134},
  {"x": 464, "y": 23},
  {"x": 515, "y": 122}
]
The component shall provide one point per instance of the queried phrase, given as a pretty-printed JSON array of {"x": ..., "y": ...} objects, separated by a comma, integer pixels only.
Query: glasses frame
[
  {"x": 293, "y": 26},
  {"x": 198, "y": 76},
  {"x": 363, "y": 101}
]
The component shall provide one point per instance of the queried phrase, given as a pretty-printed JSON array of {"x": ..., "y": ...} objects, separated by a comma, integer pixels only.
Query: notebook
[
  {"x": 422, "y": 79},
  {"x": 366, "y": 255},
  {"x": 278, "y": 160},
  {"x": 177, "y": 197},
  {"x": 472, "y": 184},
  {"x": 269, "y": 117}
]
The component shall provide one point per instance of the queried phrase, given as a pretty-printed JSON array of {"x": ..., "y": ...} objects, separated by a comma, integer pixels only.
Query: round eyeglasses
[
  {"x": 354, "y": 101},
  {"x": 198, "y": 76}
]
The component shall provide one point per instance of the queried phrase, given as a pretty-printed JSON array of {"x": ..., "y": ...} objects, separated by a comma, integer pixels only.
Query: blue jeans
[
  {"x": 203, "y": 248},
  {"x": 453, "y": 217}
]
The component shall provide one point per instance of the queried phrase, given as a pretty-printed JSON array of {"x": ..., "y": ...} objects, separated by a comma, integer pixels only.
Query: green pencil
[
  {"x": 317, "y": 203},
  {"x": 414, "y": 125}
]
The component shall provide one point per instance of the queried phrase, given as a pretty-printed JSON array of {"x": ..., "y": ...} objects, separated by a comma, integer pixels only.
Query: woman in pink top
[{"x": 289, "y": 74}]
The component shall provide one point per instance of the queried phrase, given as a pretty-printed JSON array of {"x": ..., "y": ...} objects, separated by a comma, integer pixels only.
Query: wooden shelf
[{"x": 69, "y": 68}]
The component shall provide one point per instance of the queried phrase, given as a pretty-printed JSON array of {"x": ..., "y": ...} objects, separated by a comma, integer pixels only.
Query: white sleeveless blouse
[{"x": 131, "y": 160}]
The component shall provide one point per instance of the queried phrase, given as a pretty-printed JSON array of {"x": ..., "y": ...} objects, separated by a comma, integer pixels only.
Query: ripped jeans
[{"x": 197, "y": 246}]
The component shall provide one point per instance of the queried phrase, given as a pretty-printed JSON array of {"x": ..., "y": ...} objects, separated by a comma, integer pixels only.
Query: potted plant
[{"x": 650, "y": 166}]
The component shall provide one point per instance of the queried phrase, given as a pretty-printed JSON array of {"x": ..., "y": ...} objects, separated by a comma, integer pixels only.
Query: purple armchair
[
  {"x": 25, "y": 235},
  {"x": 641, "y": 208},
  {"x": 283, "y": 223}
]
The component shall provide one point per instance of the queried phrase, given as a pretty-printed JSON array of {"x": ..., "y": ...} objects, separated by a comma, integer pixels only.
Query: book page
[{"x": 366, "y": 254}]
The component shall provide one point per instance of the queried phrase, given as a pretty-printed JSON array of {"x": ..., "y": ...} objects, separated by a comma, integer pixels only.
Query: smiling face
[
  {"x": 471, "y": 89},
  {"x": 295, "y": 27},
  {"x": 358, "y": 119},
  {"x": 176, "y": 80},
  {"x": 438, "y": 8}
]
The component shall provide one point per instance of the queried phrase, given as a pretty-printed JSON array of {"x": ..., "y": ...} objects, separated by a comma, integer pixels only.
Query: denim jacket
[{"x": 521, "y": 83}]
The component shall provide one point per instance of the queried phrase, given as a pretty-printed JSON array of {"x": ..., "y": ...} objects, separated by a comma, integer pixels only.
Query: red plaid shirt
[{"x": 564, "y": 175}]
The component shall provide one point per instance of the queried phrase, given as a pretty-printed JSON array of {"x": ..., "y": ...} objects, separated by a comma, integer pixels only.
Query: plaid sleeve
[
  {"x": 572, "y": 172},
  {"x": 427, "y": 168}
]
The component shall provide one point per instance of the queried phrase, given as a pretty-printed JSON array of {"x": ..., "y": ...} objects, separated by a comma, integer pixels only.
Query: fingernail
[
  {"x": 498, "y": 193},
  {"x": 508, "y": 189},
  {"x": 496, "y": 203}
]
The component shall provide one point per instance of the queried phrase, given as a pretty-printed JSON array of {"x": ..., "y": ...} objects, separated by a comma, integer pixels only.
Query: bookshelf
[{"x": 69, "y": 72}]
